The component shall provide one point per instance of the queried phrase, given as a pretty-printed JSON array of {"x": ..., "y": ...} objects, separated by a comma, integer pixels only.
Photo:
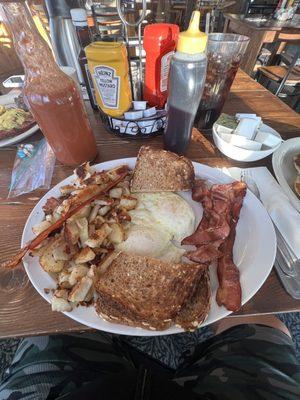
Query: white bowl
[{"x": 239, "y": 154}]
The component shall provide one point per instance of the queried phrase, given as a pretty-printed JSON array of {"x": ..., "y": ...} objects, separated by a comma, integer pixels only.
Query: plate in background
[
  {"x": 8, "y": 101},
  {"x": 285, "y": 170}
]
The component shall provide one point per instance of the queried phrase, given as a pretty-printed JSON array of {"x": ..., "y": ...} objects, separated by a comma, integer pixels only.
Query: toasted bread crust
[
  {"x": 153, "y": 294},
  {"x": 160, "y": 170},
  {"x": 196, "y": 309}
]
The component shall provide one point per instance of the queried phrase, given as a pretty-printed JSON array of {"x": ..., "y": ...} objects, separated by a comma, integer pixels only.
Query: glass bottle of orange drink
[{"x": 51, "y": 95}]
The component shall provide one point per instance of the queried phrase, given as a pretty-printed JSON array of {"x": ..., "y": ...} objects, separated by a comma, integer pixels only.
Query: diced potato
[
  {"x": 77, "y": 273},
  {"x": 47, "y": 261},
  {"x": 125, "y": 185},
  {"x": 83, "y": 172},
  {"x": 60, "y": 304},
  {"x": 83, "y": 195},
  {"x": 94, "y": 212},
  {"x": 99, "y": 178},
  {"x": 49, "y": 218},
  {"x": 61, "y": 209},
  {"x": 117, "y": 235},
  {"x": 128, "y": 202},
  {"x": 108, "y": 245},
  {"x": 90, "y": 295},
  {"x": 63, "y": 279},
  {"x": 83, "y": 213},
  {"x": 98, "y": 221},
  {"x": 104, "y": 201},
  {"x": 104, "y": 210},
  {"x": 115, "y": 193},
  {"x": 93, "y": 273},
  {"x": 75, "y": 192},
  {"x": 55, "y": 217},
  {"x": 100, "y": 250},
  {"x": 60, "y": 253},
  {"x": 124, "y": 216},
  {"x": 67, "y": 189},
  {"x": 85, "y": 255},
  {"x": 80, "y": 290},
  {"x": 61, "y": 293},
  {"x": 92, "y": 229},
  {"x": 39, "y": 250},
  {"x": 71, "y": 232},
  {"x": 103, "y": 266},
  {"x": 42, "y": 226},
  {"x": 83, "y": 227},
  {"x": 49, "y": 264},
  {"x": 98, "y": 236},
  {"x": 115, "y": 172}
]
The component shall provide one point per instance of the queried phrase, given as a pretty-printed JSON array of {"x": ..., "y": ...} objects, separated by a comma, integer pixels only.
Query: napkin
[{"x": 283, "y": 214}]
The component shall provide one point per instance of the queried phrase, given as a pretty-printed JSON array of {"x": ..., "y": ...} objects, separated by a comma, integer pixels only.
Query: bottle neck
[
  {"x": 84, "y": 35},
  {"x": 31, "y": 48}
]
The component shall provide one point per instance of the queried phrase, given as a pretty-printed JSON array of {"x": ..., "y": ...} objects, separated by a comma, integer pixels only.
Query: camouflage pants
[{"x": 245, "y": 362}]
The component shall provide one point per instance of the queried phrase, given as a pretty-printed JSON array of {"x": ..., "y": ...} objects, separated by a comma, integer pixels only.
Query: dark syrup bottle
[
  {"x": 79, "y": 19},
  {"x": 186, "y": 83}
]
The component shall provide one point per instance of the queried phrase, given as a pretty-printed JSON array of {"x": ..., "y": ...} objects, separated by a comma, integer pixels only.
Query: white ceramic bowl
[{"x": 239, "y": 154}]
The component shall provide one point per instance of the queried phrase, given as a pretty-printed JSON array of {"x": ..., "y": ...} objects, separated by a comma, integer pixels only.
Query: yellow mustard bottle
[{"x": 108, "y": 64}]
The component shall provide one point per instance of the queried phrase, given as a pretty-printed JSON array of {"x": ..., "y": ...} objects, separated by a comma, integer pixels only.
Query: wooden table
[
  {"x": 24, "y": 312},
  {"x": 261, "y": 32}
]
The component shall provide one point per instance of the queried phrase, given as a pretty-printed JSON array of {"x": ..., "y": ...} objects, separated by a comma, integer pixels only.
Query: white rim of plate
[{"x": 133, "y": 331}]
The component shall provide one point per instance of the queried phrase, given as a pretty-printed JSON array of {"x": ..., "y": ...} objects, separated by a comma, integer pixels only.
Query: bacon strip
[
  {"x": 229, "y": 292},
  {"x": 215, "y": 236},
  {"x": 14, "y": 261},
  {"x": 206, "y": 253},
  {"x": 211, "y": 234}
]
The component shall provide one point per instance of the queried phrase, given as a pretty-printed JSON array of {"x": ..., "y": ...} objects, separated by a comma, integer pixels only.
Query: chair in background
[
  {"x": 106, "y": 21},
  {"x": 285, "y": 76},
  {"x": 263, "y": 7}
]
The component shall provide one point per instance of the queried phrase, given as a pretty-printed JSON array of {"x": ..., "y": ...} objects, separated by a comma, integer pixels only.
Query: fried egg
[{"x": 158, "y": 220}]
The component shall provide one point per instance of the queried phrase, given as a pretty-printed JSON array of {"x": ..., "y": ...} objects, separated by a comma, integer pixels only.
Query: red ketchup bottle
[{"x": 159, "y": 43}]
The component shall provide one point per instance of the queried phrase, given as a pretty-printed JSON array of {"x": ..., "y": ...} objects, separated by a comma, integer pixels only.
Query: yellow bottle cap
[{"x": 193, "y": 40}]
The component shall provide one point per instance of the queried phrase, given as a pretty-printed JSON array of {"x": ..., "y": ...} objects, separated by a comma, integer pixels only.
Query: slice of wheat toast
[
  {"x": 112, "y": 311},
  {"x": 191, "y": 315},
  {"x": 161, "y": 171},
  {"x": 148, "y": 289},
  {"x": 197, "y": 307}
]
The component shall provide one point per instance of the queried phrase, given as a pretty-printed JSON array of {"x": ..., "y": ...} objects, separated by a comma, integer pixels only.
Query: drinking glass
[{"x": 224, "y": 54}]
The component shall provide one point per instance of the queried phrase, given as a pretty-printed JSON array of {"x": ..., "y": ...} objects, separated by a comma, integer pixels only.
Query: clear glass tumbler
[{"x": 224, "y": 54}]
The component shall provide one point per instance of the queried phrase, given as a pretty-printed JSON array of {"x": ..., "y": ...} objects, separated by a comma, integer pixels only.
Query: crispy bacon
[
  {"x": 14, "y": 261},
  {"x": 215, "y": 236},
  {"x": 200, "y": 190},
  {"x": 206, "y": 253},
  {"x": 211, "y": 234},
  {"x": 229, "y": 291}
]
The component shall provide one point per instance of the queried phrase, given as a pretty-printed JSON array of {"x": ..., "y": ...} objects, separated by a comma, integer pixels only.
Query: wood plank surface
[{"x": 24, "y": 312}]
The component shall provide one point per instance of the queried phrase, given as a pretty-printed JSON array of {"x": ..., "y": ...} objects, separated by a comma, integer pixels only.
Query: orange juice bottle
[{"x": 108, "y": 65}]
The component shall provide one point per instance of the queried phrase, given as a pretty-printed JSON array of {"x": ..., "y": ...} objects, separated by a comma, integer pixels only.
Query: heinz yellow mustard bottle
[{"x": 108, "y": 65}]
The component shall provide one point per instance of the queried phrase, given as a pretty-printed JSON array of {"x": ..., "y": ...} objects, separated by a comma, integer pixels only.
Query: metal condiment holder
[
  {"x": 143, "y": 127},
  {"x": 135, "y": 129}
]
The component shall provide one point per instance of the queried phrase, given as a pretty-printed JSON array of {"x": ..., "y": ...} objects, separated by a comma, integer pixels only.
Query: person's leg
[
  {"x": 248, "y": 361},
  {"x": 266, "y": 320},
  {"x": 47, "y": 366}
]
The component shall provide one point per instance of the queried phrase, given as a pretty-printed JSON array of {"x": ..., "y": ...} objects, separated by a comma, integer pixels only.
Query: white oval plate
[
  {"x": 285, "y": 170},
  {"x": 8, "y": 100},
  {"x": 254, "y": 252}
]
